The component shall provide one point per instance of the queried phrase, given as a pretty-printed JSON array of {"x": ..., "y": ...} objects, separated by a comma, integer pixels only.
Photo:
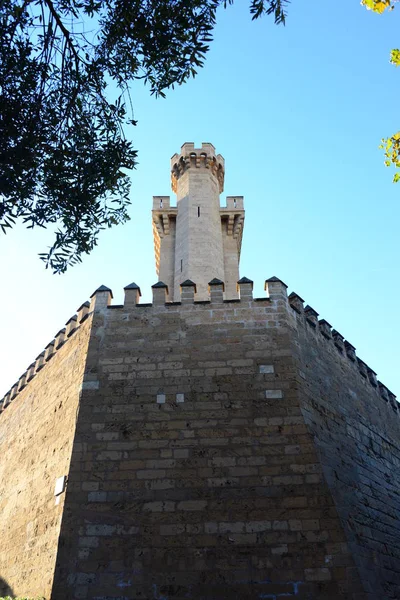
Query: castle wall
[
  {"x": 194, "y": 474},
  {"x": 357, "y": 436},
  {"x": 36, "y": 436}
]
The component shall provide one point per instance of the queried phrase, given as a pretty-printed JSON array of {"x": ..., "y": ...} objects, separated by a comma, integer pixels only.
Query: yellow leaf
[
  {"x": 378, "y": 6},
  {"x": 395, "y": 57}
]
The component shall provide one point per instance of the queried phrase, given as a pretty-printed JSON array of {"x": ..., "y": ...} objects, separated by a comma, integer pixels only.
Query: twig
[{"x": 64, "y": 30}]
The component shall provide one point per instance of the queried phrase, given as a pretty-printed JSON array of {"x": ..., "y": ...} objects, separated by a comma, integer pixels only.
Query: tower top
[
  {"x": 197, "y": 158},
  {"x": 198, "y": 240}
]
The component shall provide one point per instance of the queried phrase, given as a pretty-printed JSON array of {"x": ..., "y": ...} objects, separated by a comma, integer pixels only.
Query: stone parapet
[
  {"x": 276, "y": 291},
  {"x": 53, "y": 346},
  {"x": 309, "y": 317},
  {"x": 197, "y": 158}
]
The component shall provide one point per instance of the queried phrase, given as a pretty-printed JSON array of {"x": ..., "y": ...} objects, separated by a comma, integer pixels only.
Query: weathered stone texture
[
  {"x": 220, "y": 495},
  {"x": 222, "y": 449},
  {"x": 357, "y": 436},
  {"x": 36, "y": 436}
]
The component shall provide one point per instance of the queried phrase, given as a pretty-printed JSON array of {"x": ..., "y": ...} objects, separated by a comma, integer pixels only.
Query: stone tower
[
  {"x": 198, "y": 240},
  {"x": 199, "y": 447}
]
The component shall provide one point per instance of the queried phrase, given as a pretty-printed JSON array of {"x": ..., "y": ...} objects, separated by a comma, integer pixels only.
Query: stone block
[
  {"x": 266, "y": 369},
  {"x": 273, "y": 394}
]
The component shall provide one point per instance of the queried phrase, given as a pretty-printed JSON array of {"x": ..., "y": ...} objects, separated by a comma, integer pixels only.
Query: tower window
[
  {"x": 198, "y": 211},
  {"x": 234, "y": 202},
  {"x": 181, "y": 265},
  {"x": 160, "y": 202}
]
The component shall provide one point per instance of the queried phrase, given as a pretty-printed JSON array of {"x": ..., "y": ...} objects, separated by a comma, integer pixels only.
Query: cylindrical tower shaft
[{"x": 197, "y": 179}]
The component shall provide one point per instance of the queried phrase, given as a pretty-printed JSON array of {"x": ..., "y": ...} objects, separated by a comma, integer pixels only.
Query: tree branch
[{"x": 64, "y": 30}]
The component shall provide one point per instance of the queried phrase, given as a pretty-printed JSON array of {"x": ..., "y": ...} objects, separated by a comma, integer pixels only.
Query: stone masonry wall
[
  {"x": 36, "y": 435},
  {"x": 357, "y": 436},
  {"x": 193, "y": 473}
]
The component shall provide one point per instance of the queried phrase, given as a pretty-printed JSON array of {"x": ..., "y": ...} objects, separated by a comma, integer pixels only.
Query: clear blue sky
[{"x": 298, "y": 113}]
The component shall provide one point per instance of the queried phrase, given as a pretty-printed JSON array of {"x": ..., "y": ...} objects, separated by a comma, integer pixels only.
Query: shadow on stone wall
[{"x": 5, "y": 589}]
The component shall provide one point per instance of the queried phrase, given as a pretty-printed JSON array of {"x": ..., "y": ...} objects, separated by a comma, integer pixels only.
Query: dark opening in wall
[{"x": 198, "y": 211}]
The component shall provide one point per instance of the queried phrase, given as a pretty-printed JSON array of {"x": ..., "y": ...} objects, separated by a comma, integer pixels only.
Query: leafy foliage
[
  {"x": 390, "y": 145},
  {"x": 378, "y": 6},
  {"x": 63, "y": 151}
]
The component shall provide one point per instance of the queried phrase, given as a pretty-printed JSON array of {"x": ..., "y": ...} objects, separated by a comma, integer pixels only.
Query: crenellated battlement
[
  {"x": 61, "y": 337},
  {"x": 308, "y": 317},
  {"x": 197, "y": 158},
  {"x": 276, "y": 297}
]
